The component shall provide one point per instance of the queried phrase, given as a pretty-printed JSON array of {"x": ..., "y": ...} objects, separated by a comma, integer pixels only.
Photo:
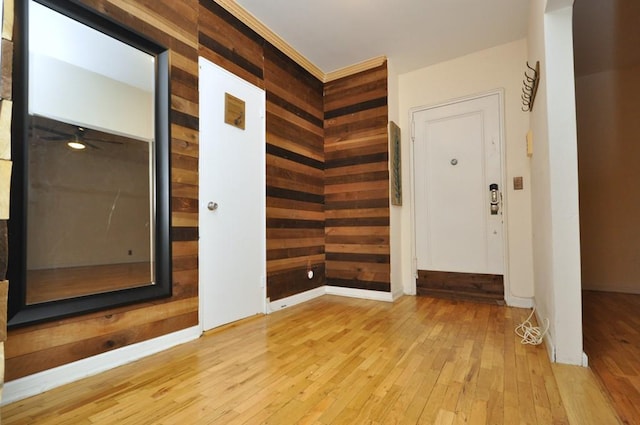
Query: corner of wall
[
  {"x": 554, "y": 179},
  {"x": 397, "y": 246}
]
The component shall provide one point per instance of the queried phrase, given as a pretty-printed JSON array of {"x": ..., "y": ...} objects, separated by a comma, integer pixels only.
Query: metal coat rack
[{"x": 530, "y": 87}]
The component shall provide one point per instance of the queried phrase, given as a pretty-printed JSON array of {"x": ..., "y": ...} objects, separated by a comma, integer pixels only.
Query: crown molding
[
  {"x": 265, "y": 32},
  {"x": 355, "y": 68}
]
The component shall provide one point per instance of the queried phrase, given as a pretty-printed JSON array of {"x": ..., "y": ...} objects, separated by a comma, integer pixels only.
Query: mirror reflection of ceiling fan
[{"x": 78, "y": 140}]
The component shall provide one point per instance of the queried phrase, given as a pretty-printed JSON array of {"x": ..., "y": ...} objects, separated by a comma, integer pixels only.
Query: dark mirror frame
[{"x": 19, "y": 312}]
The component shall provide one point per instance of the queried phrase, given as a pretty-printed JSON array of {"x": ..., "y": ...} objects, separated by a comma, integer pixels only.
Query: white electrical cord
[{"x": 530, "y": 334}]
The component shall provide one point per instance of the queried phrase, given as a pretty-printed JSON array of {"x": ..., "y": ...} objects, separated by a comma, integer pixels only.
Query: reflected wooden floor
[
  {"x": 332, "y": 360},
  {"x": 61, "y": 283},
  {"x": 611, "y": 328}
]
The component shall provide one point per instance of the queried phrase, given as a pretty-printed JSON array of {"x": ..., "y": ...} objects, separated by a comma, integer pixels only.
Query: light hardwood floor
[
  {"x": 611, "y": 327},
  {"x": 332, "y": 360}
]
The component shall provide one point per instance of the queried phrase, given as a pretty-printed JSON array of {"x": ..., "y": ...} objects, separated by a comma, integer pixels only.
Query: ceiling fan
[{"x": 77, "y": 140}]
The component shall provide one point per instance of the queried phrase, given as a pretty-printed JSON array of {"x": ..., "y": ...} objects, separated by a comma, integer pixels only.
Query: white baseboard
[
  {"x": 43, "y": 381},
  {"x": 548, "y": 341},
  {"x": 519, "y": 302},
  {"x": 551, "y": 348},
  {"x": 359, "y": 293},
  {"x": 295, "y": 299},
  {"x": 331, "y": 290},
  {"x": 397, "y": 294}
]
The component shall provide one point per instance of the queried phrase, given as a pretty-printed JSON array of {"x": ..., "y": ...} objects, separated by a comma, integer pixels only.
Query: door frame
[
  {"x": 262, "y": 203},
  {"x": 503, "y": 176}
]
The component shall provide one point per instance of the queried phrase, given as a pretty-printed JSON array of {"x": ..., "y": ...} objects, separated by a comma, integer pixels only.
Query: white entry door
[
  {"x": 457, "y": 157},
  {"x": 232, "y": 211}
]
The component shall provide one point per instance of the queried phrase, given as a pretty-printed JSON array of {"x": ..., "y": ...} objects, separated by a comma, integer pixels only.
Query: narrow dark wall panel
[
  {"x": 357, "y": 181},
  {"x": 295, "y": 177}
]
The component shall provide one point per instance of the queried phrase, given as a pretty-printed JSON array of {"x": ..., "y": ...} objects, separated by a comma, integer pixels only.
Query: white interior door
[
  {"x": 457, "y": 156},
  {"x": 232, "y": 217}
]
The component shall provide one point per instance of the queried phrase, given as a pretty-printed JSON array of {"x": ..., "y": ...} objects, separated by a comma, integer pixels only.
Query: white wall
[
  {"x": 395, "y": 220},
  {"x": 498, "y": 67},
  {"x": 88, "y": 207},
  {"x": 75, "y": 95},
  {"x": 556, "y": 238}
]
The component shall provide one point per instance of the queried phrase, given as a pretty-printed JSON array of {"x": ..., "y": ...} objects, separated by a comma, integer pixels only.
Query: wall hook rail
[{"x": 530, "y": 87}]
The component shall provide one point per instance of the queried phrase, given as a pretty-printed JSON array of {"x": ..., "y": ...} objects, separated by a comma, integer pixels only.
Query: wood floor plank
[
  {"x": 331, "y": 360},
  {"x": 583, "y": 397},
  {"x": 613, "y": 347}
]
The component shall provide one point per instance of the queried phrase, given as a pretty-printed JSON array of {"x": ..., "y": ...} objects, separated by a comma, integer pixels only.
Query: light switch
[{"x": 517, "y": 183}]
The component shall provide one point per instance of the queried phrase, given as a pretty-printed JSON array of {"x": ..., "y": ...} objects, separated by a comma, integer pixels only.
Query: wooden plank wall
[
  {"x": 36, "y": 348},
  {"x": 295, "y": 154},
  {"x": 327, "y": 180},
  {"x": 357, "y": 181}
]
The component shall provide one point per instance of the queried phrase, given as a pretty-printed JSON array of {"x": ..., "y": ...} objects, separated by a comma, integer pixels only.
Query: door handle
[
  {"x": 212, "y": 206},
  {"x": 494, "y": 200}
]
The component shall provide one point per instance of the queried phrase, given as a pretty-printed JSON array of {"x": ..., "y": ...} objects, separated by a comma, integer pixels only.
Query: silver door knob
[{"x": 212, "y": 206}]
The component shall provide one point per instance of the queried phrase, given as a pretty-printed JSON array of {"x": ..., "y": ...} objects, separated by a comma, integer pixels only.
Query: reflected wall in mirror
[
  {"x": 90, "y": 213},
  {"x": 89, "y": 216}
]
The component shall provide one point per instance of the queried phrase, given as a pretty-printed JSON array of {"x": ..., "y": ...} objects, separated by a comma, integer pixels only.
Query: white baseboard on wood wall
[
  {"x": 359, "y": 293},
  {"x": 295, "y": 299},
  {"x": 43, "y": 381}
]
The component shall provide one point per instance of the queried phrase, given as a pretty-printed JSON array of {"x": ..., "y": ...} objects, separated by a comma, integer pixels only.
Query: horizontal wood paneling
[
  {"x": 37, "y": 361},
  {"x": 465, "y": 286},
  {"x": 357, "y": 181},
  {"x": 35, "y": 348},
  {"x": 294, "y": 147},
  {"x": 327, "y": 190},
  {"x": 229, "y": 43},
  {"x": 295, "y": 177}
]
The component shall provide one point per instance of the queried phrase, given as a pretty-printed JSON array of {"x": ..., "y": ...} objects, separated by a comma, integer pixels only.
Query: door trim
[{"x": 510, "y": 300}]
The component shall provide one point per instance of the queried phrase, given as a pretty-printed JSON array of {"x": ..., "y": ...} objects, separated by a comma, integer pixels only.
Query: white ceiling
[{"x": 334, "y": 34}]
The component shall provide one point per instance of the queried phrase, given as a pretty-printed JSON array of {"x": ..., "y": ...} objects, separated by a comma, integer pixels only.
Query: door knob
[{"x": 212, "y": 206}]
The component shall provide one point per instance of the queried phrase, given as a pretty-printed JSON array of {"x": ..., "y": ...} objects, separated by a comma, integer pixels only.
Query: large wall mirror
[{"x": 90, "y": 200}]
